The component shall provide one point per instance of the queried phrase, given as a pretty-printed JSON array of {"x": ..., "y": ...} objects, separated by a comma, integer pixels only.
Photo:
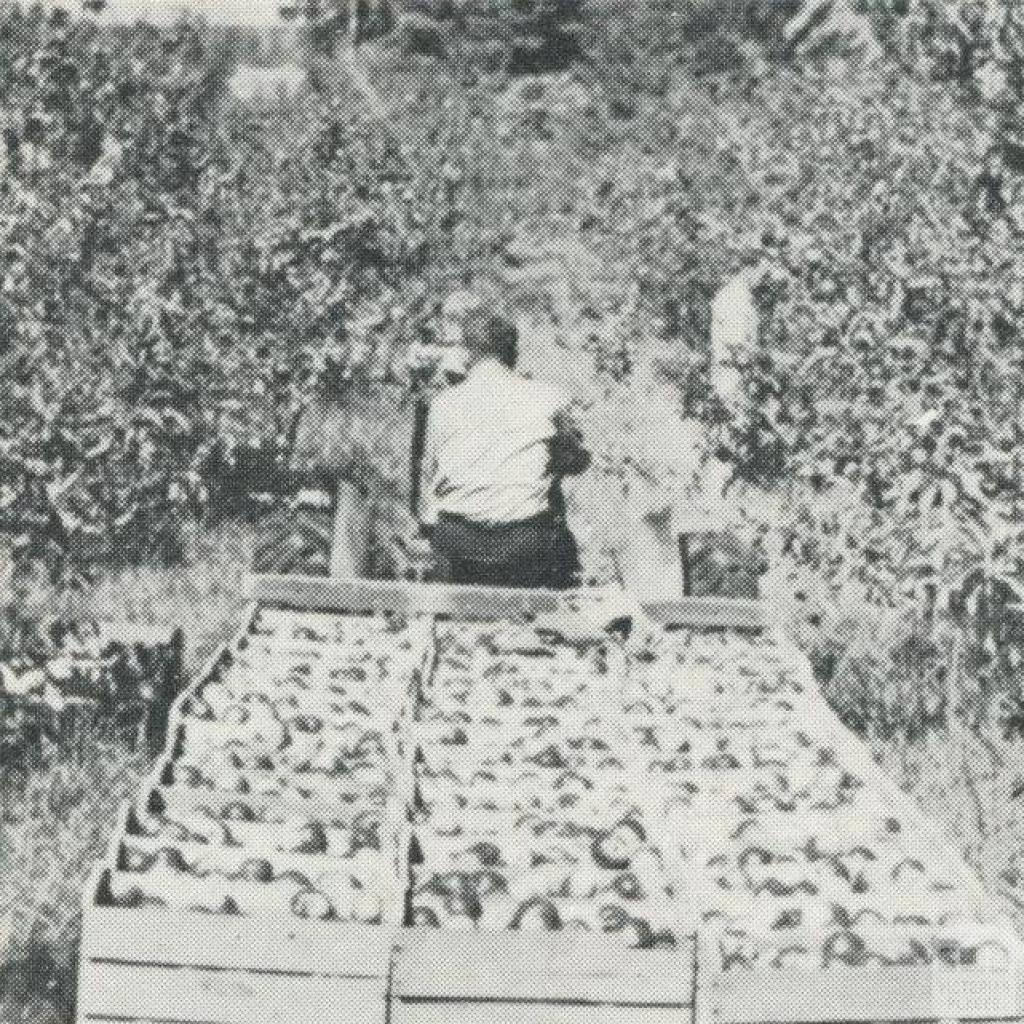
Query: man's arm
[{"x": 569, "y": 457}]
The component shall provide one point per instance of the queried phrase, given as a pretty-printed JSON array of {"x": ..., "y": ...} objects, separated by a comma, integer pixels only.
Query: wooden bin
[
  {"x": 157, "y": 967},
  {"x": 523, "y": 978},
  {"x": 166, "y": 967},
  {"x": 945, "y": 990}
]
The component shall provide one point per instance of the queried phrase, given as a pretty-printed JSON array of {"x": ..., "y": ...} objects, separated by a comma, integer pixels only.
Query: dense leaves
[{"x": 177, "y": 282}]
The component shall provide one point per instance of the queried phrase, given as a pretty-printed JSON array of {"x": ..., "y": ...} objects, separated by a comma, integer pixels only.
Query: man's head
[
  {"x": 487, "y": 335},
  {"x": 454, "y": 311}
]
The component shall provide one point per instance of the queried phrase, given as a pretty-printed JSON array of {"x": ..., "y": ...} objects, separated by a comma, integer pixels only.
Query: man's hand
[
  {"x": 420, "y": 545},
  {"x": 568, "y": 455}
]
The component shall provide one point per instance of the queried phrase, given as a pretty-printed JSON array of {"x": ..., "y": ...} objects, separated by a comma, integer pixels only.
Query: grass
[
  {"x": 202, "y": 595},
  {"x": 53, "y": 831},
  {"x": 971, "y": 784},
  {"x": 52, "y": 835}
]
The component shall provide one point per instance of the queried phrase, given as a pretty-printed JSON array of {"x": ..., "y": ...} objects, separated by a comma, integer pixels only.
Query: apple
[
  {"x": 200, "y": 708},
  {"x": 637, "y": 933},
  {"x": 789, "y": 918},
  {"x": 296, "y": 878},
  {"x": 627, "y": 886},
  {"x": 134, "y": 859},
  {"x": 488, "y": 854},
  {"x": 795, "y": 956},
  {"x": 239, "y": 811},
  {"x": 189, "y": 775},
  {"x": 231, "y": 781},
  {"x": 310, "y": 837},
  {"x": 229, "y": 906},
  {"x": 312, "y": 905},
  {"x": 612, "y": 917},
  {"x": 536, "y": 915},
  {"x": 256, "y": 870},
  {"x": 613, "y": 850},
  {"x": 236, "y": 714},
  {"x": 424, "y": 917},
  {"x": 168, "y": 858},
  {"x": 845, "y": 946},
  {"x": 130, "y": 898}
]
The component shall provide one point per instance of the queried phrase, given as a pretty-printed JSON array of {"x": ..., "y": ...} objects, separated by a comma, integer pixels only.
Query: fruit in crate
[{"x": 547, "y": 791}]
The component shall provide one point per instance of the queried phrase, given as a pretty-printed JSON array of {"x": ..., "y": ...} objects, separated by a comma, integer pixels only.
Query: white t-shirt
[
  {"x": 734, "y": 328},
  {"x": 487, "y": 454}
]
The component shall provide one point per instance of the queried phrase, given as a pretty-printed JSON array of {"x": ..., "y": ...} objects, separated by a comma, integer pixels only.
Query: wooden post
[
  {"x": 421, "y": 413},
  {"x": 351, "y": 540},
  {"x": 684, "y": 559}
]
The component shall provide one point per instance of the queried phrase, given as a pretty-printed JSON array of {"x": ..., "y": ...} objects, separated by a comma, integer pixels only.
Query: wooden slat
[
  {"x": 132, "y": 992},
  {"x": 181, "y": 798},
  {"x": 859, "y": 994},
  {"x": 478, "y": 1012},
  {"x": 434, "y": 964},
  {"x": 468, "y": 602},
  {"x": 322, "y": 593},
  {"x": 711, "y": 613},
  {"x": 251, "y": 943}
]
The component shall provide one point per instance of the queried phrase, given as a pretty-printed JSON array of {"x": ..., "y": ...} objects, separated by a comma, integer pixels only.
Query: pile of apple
[
  {"x": 861, "y": 940},
  {"x": 786, "y": 852},
  {"x": 275, "y": 794},
  {"x": 279, "y": 829},
  {"x": 497, "y": 777},
  {"x": 527, "y": 814}
]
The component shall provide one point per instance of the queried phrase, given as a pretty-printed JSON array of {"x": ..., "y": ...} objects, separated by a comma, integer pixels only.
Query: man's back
[{"x": 488, "y": 447}]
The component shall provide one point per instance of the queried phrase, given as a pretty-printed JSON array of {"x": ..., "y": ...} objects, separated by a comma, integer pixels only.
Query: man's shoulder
[
  {"x": 546, "y": 397},
  {"x": 549, "y": 396},
  {"x": 449, "y": 397},
  {"x": 734, "y": 292}
]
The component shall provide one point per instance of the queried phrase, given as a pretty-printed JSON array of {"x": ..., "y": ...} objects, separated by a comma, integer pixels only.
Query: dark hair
[{"x": 492, "y": 335}]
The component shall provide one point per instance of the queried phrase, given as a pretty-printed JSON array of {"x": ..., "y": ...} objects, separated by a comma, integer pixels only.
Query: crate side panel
[
  {"x": 490, "y": 1012},
  {"x": 225, "y": 942},
  {"x": 711, "y": 613},
  {"x": 859, "y": 995},
  {"x": 470, "y": 602},
  {"x": 134, "y": 992},
  {"x": 511, "y": 965}
]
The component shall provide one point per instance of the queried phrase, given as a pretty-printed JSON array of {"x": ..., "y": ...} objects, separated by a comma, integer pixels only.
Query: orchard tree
[
  {"x": 540, "y": 35},
  {"x": 330, "y": 20}
]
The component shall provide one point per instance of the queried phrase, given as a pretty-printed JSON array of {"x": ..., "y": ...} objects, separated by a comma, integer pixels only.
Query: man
[
  {"x": 734, "y": 327},
  {"x": 450, "y": 368},
  {"x": 497, "y": 446}
]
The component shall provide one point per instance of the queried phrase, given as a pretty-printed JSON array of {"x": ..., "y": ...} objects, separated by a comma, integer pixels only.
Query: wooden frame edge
[{"x": 357, "y": 595}]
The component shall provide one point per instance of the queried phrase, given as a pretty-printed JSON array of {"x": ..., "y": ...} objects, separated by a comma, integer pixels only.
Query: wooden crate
[
  {"x": 165, "y": 967},
  {"x": 158, "y": 967},
  {"x": 948, "y": 989},
  {"x": 530, "y": 978}
]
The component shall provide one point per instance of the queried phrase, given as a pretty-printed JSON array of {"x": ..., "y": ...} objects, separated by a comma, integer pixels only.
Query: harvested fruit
[{"x": 523, "y": 782}]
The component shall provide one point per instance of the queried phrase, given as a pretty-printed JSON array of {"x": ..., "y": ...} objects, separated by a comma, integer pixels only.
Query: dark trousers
[{"x": 537, "y": 553}]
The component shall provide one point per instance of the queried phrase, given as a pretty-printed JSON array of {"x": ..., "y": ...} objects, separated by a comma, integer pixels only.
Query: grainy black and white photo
[{"x": 511, "y": 511}]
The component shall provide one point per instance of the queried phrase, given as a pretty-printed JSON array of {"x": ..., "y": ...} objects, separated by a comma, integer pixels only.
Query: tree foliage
[{"x": 177, "y": 283}]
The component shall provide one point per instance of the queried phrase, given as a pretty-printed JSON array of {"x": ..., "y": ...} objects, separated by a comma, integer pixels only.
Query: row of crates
[{"x": 262, "y": 963}]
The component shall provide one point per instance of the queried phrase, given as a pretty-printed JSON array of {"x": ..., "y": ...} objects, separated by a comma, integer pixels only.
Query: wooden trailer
[{"x": 182, "y": 957}]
